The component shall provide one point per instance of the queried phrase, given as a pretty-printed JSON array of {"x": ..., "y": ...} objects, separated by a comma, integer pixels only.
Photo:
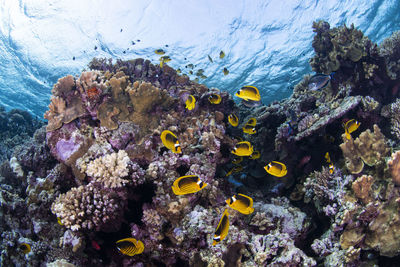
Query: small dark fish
[
  {"x": 120, "y": 30},
  {"x": 221, "y": 54},
  {"x": 95, "y": 47},
  {"x": 166, "y": 45},
  {"x": 209, "y": 58},
  {"x": 137, "y": 40},
  {"x": 133, "y": 43},
  {"x": 73, "y": 58},
  {"x": 225, "y": 71},
  {"x": 319, "y": 81}
]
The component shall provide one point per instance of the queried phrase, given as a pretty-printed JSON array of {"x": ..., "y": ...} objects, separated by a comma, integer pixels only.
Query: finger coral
[
  {"x": 109, "y": 170},
  {"x": 88, "y": 207}
]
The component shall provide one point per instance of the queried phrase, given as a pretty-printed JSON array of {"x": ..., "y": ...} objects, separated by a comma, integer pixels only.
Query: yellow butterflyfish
[
  {"x": 130, "y": 246},
  {"x": 233, "y": 120},
  {"x": 276, "y": 168},
  {"x": 190, "y": 102},
  {"x": 243, "y": 149},
  {"x": 249, "y": 93},
  {"x": 241, "y": 203},
  {"x": 222, "y": 229},
  {"x": 187, "y": 185},
  {"x": 170, "y": 141},
  {"x": 214, "y": 99}
]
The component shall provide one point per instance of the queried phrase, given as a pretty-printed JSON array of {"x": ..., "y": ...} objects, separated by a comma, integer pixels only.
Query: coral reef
[{"x": 99, "y": 172}]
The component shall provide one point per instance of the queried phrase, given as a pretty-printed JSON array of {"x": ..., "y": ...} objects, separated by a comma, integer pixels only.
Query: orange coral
[{"x": 93, "y": 92}]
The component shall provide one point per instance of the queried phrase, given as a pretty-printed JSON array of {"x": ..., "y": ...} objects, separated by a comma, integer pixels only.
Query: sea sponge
[
  {"x": 88, "y": 207},
  {"x": 109, "y": 170}
]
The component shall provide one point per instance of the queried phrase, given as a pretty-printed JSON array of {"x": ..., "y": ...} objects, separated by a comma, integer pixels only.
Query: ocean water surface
[{"x": 267, "y": 43}]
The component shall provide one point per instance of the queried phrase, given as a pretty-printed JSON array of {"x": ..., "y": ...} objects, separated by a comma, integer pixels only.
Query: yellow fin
[
  {"x": 190, "y": 102},
  {"x": 159, "y": 52},
  {"x": 249, "y": 129}
]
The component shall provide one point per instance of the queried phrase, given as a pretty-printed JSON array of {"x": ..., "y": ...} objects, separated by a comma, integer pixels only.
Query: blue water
[{"x": 267, "y": 43}]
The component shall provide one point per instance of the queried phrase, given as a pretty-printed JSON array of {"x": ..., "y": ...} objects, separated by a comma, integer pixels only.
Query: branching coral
[
  {"x": 89, "y": 207},
  {"x": 109, "y": 170}
]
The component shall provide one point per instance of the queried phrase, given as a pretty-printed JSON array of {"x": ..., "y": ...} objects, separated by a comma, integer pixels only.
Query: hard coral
[
  {"x": 337, "y": 46},
  {"x": 362, "y": 188},
  {"x": 394, "y": 167},
  {"x": 89, "y": 207},
  {"x": 109, "y": 170},
  {"x": 369, "y": 147},
  {"x": 389, "y": 49},
  {"x": 66, "y": 104}
]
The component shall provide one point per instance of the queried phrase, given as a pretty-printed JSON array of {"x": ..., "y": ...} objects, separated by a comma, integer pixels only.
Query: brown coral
[
  {"x": 55, "y": 114},
  {"x": 66, "y": 106},
  {"x": 369, "y": 147},
  {"x": 362, "y": 188},
  {"x": 353, "y": 162},
  {"x": 394, "y": 167}
]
